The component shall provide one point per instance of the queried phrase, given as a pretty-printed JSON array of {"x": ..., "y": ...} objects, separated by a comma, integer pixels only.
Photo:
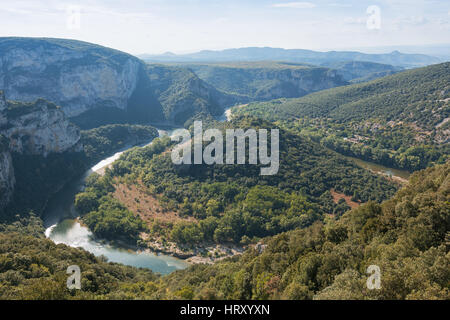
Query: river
[{"x": 62, "y": 226}]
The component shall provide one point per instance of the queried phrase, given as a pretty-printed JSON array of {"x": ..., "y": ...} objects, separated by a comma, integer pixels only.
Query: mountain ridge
[{"x": 395, "y": 58}]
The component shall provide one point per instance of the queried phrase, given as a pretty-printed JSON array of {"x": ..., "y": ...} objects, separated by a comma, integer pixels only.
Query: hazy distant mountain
[{"x": 394, "y": 58}]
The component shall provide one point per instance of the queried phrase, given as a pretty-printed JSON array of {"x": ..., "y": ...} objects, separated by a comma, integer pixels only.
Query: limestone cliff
[
  {"x": 7, "y": 179},
  {"x": 2, "y": 110}
]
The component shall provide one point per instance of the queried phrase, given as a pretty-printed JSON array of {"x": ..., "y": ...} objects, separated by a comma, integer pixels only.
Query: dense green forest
[
  {"x": 399, "y": 120},
  {"x": 308, "y": 232},
  {"x": 406, "y": 236},
  {"x": 101, "y": 142},
  {"x": 182, "y": 94},
  {"x": 233, "y": 202},
  {"x": 106, "y": 216}
]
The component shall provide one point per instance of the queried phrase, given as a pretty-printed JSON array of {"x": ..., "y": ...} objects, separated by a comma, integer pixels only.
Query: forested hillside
[
  {"x": 163, "y": 94},
  {"x": 38, "y": 177},
  {"x": 361, "y": 71},
  {"x": 266, "y": 80},
  {"x": 399, "y": 120},
  {"x": 307, "y": 232},
  {"x": 182, "y": 94}
]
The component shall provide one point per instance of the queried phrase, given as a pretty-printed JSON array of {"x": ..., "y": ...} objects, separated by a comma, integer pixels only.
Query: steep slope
[
  {"x": 34, "y": 137},
  {"x": 3, "y": 107},
  {"x": 414, "y": 95},
  {"x": 252, "y": 81},
  {"x": 7, "y": 180},
  {"x": 394, "y": 58},
  {"x": 102, "y": 142},
  {"x": 399, "y": 120}
]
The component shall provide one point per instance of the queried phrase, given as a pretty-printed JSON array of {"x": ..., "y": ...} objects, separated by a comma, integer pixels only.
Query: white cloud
[
  {"x": 340, "y": 5},
  {"x": 296, "y": 5},
  {"x": 354, "y": 20}
]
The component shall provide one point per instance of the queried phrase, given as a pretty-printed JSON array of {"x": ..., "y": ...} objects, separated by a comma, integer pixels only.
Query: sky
[{"x": 183, "y": 26}]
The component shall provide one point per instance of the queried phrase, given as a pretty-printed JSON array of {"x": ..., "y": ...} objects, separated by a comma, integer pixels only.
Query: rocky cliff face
[
  {"x": 37, "y": 128},
  {"x": 76, "y": 75},
  {"x": 7, "y": 179}
]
